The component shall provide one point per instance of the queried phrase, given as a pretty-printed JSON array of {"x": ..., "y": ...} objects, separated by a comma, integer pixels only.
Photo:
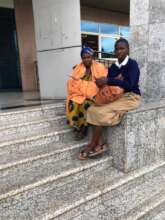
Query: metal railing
[{"x": 104, "y": 61}]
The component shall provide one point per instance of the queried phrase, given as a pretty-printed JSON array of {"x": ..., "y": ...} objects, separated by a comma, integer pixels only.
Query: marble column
[
  {"x": 147, "y": 21},
  {"x": 58, "y": 39}
]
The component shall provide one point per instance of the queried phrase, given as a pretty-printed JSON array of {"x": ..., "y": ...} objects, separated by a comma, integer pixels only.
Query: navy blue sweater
[{"x": 130, "y": 73}]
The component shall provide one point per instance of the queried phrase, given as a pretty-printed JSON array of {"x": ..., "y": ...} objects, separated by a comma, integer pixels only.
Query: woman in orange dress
[{"x": 81, "y": 90}]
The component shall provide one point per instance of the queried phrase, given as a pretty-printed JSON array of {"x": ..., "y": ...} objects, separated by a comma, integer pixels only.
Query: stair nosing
[
  {"x": 31, "y": 122},
  {"x": 40, "y": 108},
  {"x": 41, "y": 156},
  {"x": 53, "y": 178},
  {"x": 146, "y": 208},
  {"x": 33, "y": 138},
  {"x": 121, "y": 181}
]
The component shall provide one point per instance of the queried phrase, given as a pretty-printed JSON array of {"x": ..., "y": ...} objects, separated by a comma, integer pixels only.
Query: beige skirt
[{"x": 112, "y": 113}]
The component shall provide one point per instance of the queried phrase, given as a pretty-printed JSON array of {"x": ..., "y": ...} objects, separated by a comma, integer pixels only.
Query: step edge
[
  {"x": 41, "y": 156},
  {"x": 34, "y": 138},
  {"x": 31, "y": 122},
  {"x": 144, "y": 208},
  {"x": 40, "y": 108},
  {"x": 53, "y": 178},
  {"x": 121, "y": 181}
]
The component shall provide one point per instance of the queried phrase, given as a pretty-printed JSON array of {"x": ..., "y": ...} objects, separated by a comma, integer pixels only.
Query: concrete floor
[{"x": 21, "y": 99}]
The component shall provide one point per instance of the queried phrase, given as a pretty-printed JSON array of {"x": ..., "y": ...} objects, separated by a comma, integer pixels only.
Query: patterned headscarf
[{"x": 87, "y": 50}]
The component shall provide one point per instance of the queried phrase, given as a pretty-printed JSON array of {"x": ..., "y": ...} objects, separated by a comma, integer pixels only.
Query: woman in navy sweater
[{"x": 125, "y": 74}]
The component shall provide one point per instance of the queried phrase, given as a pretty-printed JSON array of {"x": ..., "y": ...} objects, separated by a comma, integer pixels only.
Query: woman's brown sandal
[
  {"x": 99, "y": 149},
  {"x": 84, "y": 154}
]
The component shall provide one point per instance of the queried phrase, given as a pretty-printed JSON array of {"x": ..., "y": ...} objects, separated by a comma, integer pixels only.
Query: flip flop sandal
[
  {"x": 96, "y": 152},
  {"x": 83, "y": 155}
]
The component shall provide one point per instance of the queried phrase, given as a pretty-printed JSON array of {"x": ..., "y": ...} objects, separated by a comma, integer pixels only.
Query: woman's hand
[
  {"x": 101, "y": 81},
  {"x": 120, "y": 77}
]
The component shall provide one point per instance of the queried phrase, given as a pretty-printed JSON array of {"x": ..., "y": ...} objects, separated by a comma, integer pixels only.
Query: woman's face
[
  {"x": 87, "y": 59},
  {"x": 121, "y": 51}
]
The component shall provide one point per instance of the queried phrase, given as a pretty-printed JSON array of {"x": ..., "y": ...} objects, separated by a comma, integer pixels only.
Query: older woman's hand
[{"x": 101, "y": 81}]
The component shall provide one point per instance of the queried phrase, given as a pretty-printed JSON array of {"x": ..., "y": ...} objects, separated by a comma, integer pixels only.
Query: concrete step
[
  {"x": 89, "y": 193},
  {"x": 19, "y": 178},
  {"x": 160, "y": 216},
  {"x": 65, "y": 175},
  {"x": 18, "y": 156},
  {"x": 152, "y": 209},
  {"x": 147, "y": 212},
  {"x": 31, "y": 114},
  {"x": 138, "y": 195},
  {"x": 23, "y": 130},
  {"x": 157, "y": 213},
  {"x": 49, "y": 137}
]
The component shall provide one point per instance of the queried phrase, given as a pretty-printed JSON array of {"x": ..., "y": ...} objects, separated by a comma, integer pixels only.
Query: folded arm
[{"x": 126, "y": 83}]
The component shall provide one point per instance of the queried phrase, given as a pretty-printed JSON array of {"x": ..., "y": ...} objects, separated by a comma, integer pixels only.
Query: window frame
[{"x": 100, "y": 35}]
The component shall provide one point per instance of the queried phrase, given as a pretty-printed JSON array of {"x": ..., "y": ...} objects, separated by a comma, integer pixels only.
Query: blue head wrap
[{"x": 87, "y": 50}]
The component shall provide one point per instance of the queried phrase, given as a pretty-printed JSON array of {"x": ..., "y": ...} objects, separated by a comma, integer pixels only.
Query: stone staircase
[{"x": 42, "y": 179}]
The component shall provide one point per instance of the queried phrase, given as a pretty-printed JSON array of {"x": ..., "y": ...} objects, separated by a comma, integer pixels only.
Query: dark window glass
[{"x": 90, "y": 41}]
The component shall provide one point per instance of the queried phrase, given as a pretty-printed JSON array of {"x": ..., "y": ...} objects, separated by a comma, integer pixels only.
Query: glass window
[
  {"x": 124, "y": 31},
  {"x": 109, "y": 29},
  {"x": 103, "y": 36},
  {"x": 107, "y": 47},
  {"x": 88, "y": 26},
  {"x": 90, "y": 41}
]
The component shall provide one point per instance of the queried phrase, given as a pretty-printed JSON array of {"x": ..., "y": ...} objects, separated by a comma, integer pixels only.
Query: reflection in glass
[
  {"x": 109, "y": 29},
  {"x": 107, "y": 46},
  {"x": 90, "y": 41},
  {"x": 124, "y": 31},
  {"x": 88, "y": 26}
]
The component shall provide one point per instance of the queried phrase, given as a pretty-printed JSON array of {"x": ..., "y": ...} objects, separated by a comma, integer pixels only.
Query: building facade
[{"x": 48, "y": 36}]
